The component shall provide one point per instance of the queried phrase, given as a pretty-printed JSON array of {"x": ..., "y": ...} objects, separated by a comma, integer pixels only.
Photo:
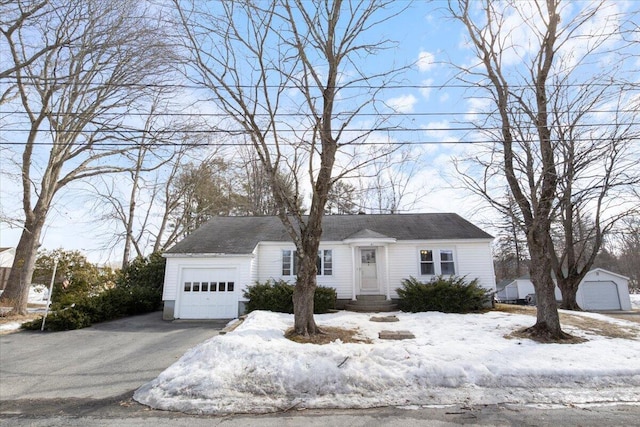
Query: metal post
[{"x": 53, "y": 276}]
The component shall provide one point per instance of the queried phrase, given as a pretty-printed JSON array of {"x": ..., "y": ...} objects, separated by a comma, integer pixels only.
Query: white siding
[
  {"x": 472, "y": 259},
  {"x": 175, "y": 265},
  {"x": 269, "y": 263}
]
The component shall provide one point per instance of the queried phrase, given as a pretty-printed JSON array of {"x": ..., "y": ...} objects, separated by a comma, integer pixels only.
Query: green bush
[
  {"x": 138, "y": 291},
  {"x": 277, "y": 295},
  {"x": 448, "y": 295},
  {"x": 62, "y": 320},
  {"x": 144, "y": 273}
]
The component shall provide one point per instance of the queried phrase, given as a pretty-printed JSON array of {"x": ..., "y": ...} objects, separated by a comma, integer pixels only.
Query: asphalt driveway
[{"x": 106, "y": 360}]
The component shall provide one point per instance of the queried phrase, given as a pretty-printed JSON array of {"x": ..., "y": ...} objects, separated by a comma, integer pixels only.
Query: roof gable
[{"x": 240, "y": 235}]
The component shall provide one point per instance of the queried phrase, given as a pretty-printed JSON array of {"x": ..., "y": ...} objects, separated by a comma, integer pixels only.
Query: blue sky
[{"x": 433, "y": 105}]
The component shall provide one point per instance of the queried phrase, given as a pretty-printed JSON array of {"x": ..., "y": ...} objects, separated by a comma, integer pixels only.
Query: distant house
[
  {"x": 6, "y": 261},
  {"x": 599, "y": 290},
  {"x": 359, "y": 255}
]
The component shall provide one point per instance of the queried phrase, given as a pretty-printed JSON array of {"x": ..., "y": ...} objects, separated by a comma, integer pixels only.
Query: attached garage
[{"x": 207, "y": 293}]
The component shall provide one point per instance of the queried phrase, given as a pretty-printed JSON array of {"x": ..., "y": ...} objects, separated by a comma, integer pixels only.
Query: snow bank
[{"x": 453, "y": 359}]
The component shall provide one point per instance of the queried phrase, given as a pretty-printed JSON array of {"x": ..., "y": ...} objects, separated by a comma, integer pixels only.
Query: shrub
[
  {"x": 448, "y": 295},
  {"x": 277, "y": 295},
  {"x": 108, "y": 305},
  {"x": 62, "y": 320},
  {"x": 144, "y": 272}
]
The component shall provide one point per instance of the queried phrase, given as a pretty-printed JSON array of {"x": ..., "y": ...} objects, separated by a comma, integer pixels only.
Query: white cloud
[
  {"x": 425, "y": 90},
  {"x": 426, "y": 61},
  {"x": 402, "y": 104}
]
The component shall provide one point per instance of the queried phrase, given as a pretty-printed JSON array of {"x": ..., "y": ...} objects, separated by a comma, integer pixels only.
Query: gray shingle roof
[{"x": 240, "y": 235}]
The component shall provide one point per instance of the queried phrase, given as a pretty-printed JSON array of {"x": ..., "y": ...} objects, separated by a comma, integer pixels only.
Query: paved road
[
  {"x": 108, "y": 359},
  {"x": 87, "y": 378}
]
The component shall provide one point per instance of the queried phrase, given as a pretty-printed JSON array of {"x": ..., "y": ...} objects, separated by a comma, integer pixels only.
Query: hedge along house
[{"x": 207, "y": 272}]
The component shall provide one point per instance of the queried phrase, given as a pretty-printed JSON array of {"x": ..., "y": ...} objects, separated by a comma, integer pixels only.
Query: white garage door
[
  {"x": 600, "y": 296},
  {"x": 208, "y": 294}
]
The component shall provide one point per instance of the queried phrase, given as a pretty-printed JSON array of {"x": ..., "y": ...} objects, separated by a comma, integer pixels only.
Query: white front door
[{"x": 368, "y": 271}]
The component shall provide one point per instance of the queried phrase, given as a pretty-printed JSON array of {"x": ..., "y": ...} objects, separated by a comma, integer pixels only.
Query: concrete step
[
  {"x": 364, "y": 298},
  {"x": 371, "y": 308},
  {"x": 371, "y": 304}
]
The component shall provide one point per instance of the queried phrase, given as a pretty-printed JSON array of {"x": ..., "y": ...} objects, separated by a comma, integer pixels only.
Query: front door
[{"x": 368, "y": 271}]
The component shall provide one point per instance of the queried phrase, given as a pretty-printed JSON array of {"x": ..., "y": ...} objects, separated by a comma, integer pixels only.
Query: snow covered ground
[
  {"x": 635, "y": 301},
  {"x": 38, "y": 302},
  {"x": 454, "y": 359}
]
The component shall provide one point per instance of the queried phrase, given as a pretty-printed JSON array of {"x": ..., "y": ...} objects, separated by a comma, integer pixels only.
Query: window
[
  {"x": 426, "y": 262},
  {"x": 431, "y": 267},
  {"x": 327, "y": 260},
  {"x": 324, "y": 262},
  {"x": 209, "y": 286},
  {"x": 446, "y": 262},
  {"x": 289, "y": 263}
]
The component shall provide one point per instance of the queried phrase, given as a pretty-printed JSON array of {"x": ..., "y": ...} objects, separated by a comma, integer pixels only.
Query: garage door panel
[
  {"x": 208, "y": 294},
  {"x": 600, "y": 296}
]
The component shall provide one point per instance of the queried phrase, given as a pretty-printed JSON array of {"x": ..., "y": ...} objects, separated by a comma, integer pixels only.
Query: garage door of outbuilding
[
  {"x": 601, "y": 295},
  {"x": 208, "y": 293}
]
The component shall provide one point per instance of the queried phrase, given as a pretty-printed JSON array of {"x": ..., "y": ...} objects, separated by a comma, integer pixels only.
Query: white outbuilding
[{"x": 599, "y": 290}]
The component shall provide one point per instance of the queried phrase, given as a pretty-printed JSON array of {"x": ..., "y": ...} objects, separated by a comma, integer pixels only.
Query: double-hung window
[
  {"x": 447, "y": 266},
  {"x": 427, "y": 267},
  {"x": 436, "y": 262},
  {"x": 324, "y": 262}
]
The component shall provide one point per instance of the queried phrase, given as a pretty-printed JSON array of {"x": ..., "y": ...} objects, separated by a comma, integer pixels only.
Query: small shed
[
  {"x": 604, "y": 290},
  {"x": 599, "y": 290}
]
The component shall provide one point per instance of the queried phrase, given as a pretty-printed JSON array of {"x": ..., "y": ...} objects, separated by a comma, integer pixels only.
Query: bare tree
[
  {"x": 16, "y": 18},
  {"x": 257, "y": 187},
  {"x": 523, "y": 68},
  {"x": 389, "y": 182},
  {"x": 342, "y": 199},
  {"x": 291, "y": 75},
  {"x": 75, "y": 98},
  {"x": 510, "y": 257},
  {"x": 156, "y": 146},
  {"x": 596, "y": 177},
  {"x": 628, "y": 239}
]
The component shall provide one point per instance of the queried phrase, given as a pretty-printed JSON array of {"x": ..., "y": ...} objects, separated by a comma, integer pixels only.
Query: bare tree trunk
[
  {"x": 304, "y": 291},
  {"x": 16, "y": 294},
  {"x": 293, "y": 46},
  {"x": 547, "y": 327}
]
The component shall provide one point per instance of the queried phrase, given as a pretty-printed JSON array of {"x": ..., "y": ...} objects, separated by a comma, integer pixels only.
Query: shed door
[
  {"x": 600, "y": 296},
  {"x": 208, "y": 294}
]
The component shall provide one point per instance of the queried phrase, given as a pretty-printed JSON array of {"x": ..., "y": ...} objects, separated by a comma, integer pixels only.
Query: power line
[
  {"x": 104, "y": 145},
  {"x": 302, "y": 114},
  {"x": 479, "y": 85},
  {"x": 125, "y": 130}
]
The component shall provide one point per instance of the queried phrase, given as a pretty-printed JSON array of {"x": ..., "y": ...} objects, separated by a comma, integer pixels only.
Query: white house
[
  {"x": 359, "y": 255},
  {"x": 6, "y": 261},
  {"x": 599, "y": 290}
]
